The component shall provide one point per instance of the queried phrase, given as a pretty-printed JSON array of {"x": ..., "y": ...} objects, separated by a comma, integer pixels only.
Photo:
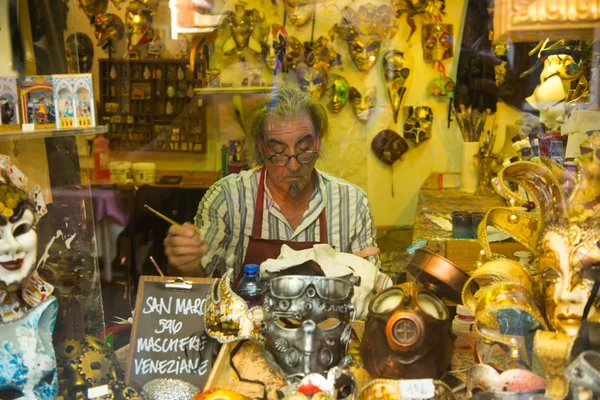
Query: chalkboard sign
[{"x": 167, "y": 337}]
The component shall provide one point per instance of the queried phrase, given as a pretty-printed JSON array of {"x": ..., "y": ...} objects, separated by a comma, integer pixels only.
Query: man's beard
[{"x": 294, "y": 190}]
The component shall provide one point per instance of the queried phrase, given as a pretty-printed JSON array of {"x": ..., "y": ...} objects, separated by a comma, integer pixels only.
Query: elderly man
[{"x": 246, "y": 218}]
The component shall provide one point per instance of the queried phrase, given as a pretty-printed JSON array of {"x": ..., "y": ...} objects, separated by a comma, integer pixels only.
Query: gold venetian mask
[
  {"x": 339, "y": 93},
  {"x": 363, "y": 104},
  {"x": 311, "y": 62},
  {"x": 241, "y": 25},
  {"x": 299, "y": 11},
  {"x": 364, "y": 31}
]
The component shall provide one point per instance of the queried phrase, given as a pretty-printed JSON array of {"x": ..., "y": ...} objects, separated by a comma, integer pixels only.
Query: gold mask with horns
[{"x": 565, "y": 237}]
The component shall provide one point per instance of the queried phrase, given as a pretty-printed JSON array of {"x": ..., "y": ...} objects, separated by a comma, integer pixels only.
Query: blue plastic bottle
[{"x": 248, "y": 287}]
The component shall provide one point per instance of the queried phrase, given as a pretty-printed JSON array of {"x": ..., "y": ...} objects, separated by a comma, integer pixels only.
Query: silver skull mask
[{"x": 308, "y": 322}]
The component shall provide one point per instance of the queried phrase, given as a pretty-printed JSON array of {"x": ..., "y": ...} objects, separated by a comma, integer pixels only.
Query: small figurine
[{"x": 183, "y": 45}]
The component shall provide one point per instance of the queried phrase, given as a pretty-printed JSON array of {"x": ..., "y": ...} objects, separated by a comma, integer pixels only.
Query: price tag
[
  {"x": 417, "y": 388},
  {"x": 98, "y": 391},
  {"x": 28, "y": 127}
]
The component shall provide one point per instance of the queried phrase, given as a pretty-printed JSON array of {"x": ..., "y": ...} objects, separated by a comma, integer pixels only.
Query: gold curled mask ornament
[
  {"x": 565, "y": 236},
  {"x": 418, "y": 122},
  {"x": 299, "y": 12},
  {"x": 363, "y": 104},
  {"x": 364, "y": 31},
  {"x": 241, "y": 25},
  {"x": 311, "y": 62},
  {"x": 395, "y": 73},
  {"x": 339, "y": 93},
  {"x": 227, "y": 317}
]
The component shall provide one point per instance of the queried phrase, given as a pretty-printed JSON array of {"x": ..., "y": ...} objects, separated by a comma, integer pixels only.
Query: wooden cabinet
[
  {"x": 535, "y": 20},
  {"x": 151, "y": 104}
]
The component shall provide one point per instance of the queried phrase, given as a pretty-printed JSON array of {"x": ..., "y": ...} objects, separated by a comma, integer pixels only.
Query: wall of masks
[{"x": 393, "y": 190}]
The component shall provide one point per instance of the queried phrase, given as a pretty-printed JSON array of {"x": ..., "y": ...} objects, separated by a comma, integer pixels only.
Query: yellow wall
[{"x": 348, "y": 152}]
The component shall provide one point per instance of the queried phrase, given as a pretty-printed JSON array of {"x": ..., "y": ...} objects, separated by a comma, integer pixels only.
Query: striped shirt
[{"x": 226, "y": 215}]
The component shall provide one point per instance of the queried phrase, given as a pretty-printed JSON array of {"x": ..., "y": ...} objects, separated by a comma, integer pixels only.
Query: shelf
[
  {"x": 50, "y": 133},
  {"x": 234, "y": 90}
]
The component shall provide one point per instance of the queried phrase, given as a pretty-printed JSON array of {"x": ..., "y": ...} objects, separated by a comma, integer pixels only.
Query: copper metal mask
[
  {"x": 363, "y": 104},
  {"x": 274, "y": 43},
  {"x": 308, "y": 323},
  {"x": 417, "y": 123},
  {"x": 311, "y": 63},
  {"x": 241, "y": 25},
  {"x": 364, "y": 31},
  {"x": 339, "y": 93},
  {"x": 437, "y": 42},
  {"x": 395, "y": 73},
  {"x": 407, "y": 334},
  {"x": 79, "y": 50},
  {"x": 299, "y": 11}
]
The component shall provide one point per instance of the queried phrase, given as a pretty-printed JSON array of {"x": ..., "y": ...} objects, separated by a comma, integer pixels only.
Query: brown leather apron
[{"x": 260, "y": 249}]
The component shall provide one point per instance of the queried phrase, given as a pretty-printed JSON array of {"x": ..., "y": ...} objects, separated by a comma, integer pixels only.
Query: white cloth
[{"x": 336, "y": 264}]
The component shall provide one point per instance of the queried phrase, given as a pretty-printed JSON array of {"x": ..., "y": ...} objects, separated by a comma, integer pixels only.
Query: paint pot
[
  {"x": 144, "y": 173},
  {"x": 120, "y": 172}
]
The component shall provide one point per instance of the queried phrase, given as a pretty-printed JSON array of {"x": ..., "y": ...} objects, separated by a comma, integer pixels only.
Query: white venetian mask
[{"x": 18, "y": 247}]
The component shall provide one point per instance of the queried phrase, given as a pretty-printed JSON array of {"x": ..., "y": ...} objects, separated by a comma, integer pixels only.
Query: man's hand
[
  {"x": 184, "y": 249},
  {"x": 368, "y": 252}
]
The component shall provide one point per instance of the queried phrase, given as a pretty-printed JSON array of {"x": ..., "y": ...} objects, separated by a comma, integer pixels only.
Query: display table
[
  {"x": 252, "y": 365},
  {"x": 462, "y": 252}
]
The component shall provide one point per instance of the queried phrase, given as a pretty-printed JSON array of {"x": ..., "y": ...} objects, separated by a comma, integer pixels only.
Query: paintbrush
[
  {"x": 162, "y": 216},
  {"x": 170, "y": 221}
]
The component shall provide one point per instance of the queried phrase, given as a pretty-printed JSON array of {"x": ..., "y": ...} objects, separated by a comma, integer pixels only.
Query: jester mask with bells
[
  {"x": 312, "y": 62},
  {"x": 339, "y": 93},
  {"x": 437, "y": 42},
  {"x": 241, "y": 25},
  {"x": 274, "y": 41},
  {"x": 299, "y": 11},
  {"x": 395, "y": 73},
  {"x": 364, "y": 31},
  {"x": 363, "y": 104}
]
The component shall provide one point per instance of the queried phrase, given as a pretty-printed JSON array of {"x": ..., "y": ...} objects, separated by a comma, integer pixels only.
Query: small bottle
[
  {"x": 101, "y": 157},
  {"x": 248, "y": 287}
]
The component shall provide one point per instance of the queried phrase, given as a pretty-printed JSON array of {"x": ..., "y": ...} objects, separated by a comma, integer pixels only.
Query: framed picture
[
  {"x": 37, "y": 101},
  {"x": 9, "y": 101}
]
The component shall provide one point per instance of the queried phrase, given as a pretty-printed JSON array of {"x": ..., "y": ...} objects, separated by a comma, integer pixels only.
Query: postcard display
[{"x": 47, "y": 101}]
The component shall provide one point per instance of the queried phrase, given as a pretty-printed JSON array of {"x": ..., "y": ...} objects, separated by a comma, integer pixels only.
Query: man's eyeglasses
[{"x": 281, "y": 159}]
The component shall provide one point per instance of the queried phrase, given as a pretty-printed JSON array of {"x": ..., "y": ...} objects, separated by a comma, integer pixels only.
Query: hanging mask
[
  {"x": 395, "y": 73},
  {"x": 311, "y": 63},
  {"x": 299, "y": 11},
  {"x": 339, "y": 93},
  {"x": 388, "y": 146},
  {"x": 298, "y": 327},
  {"x": 363, "y": 104},
  {"x": 86, "y": 364},
  {"x": 441, "y": 87},
  {"x": 417, "y": 123},
  {"x": 27, "y": 362},
  {"x": 364, "y": 31},
  {"x": 433, "y": 9},
  {"x": 226, "y": 315},
  {"x": 437, "y": 42},
  {"x": 92, "y": 8},
  {"x": 241, "y": 24},
  {"x": 274, "y": 43},
  {"x": 79, "y": 50},
  {"x": 109, "y": 27}
]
